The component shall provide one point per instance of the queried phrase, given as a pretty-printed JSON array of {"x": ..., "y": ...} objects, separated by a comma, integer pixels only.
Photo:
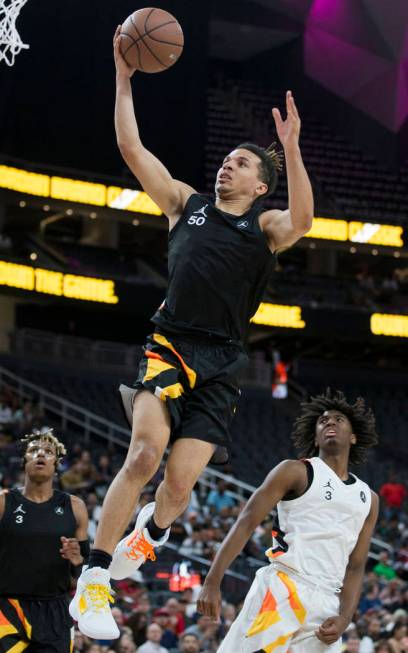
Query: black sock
[
  {"x": 155, "y": 532},
  {"x": 98, "y": 558}
]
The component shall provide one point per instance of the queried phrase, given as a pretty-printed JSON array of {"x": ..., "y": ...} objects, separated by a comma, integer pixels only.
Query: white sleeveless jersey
[{"x": 321, "y": 527}]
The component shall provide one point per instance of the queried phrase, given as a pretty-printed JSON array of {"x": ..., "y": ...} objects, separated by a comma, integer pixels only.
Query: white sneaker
[
  {"x": 136, "y": 548},
  {"x": 90, "y": 605}
]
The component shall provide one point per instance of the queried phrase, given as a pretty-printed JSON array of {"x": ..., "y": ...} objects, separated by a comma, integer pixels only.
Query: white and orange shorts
[{"x": 281, "y": 613}]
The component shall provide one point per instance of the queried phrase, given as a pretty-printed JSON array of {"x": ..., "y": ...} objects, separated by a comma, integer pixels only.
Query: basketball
[{"x": 151, "y": 40}]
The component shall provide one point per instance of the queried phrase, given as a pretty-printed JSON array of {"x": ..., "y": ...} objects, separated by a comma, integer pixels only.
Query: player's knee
[
  {"x": 178, "y": 489},
  {"x": 142, "y": 463}
]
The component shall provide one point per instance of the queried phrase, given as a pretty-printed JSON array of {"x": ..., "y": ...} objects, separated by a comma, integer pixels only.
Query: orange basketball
[{"x": 151, "y": 40}]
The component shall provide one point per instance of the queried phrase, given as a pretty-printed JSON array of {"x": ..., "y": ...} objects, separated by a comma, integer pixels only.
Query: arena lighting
[
  {"x": 383, "y": 324},
  {"x": 279, "y": 315},
  {"x": 385, "y": 235},
  {"x": 76, "y": 190},
  {"x": 50, "y": 282}
]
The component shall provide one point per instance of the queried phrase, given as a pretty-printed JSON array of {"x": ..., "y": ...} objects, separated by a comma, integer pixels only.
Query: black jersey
[
  {"x": 219, "y": 266},
  {"x": 30, "y": 562}
]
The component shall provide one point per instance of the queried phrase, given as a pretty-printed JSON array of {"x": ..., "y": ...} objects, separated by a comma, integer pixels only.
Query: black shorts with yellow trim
[
  {"x": 35, "y": 625},
  {"x": 199, "y": 383}
]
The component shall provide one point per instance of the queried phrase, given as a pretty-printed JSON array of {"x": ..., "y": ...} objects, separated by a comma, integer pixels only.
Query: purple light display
[{"x": 358, "y": 49}]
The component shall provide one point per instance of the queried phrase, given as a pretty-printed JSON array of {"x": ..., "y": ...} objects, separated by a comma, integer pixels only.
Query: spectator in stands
[
  {"x": 193, "y": 545},
  {"x": 162, "y": 617},
  {"x": 81, "y": 642},
  {"x": 127, "y": 645},
  {"x": 189, "y": 643},
  {"x": 383, "y": 646},
  {"x": 220, "y": 498},
  {"x": 6, "y": 413},
  {"x": 372, "y": 636},
  {"x": 206, "y": 631},
  {"x": 152, "y": 645},
  {"x": 392, "y": 533},
  {"x": 393, "y": 494},
  {"x": 88, "y": 469},
  {"x": 176, "y": 616},
  {"x": 352, "y": 644},
  {"x": 137, "y": 623},
  {"x": 73, "y": 479},
  {"x": 383, "y": 568},
  {"x": 398, "y": 635}
]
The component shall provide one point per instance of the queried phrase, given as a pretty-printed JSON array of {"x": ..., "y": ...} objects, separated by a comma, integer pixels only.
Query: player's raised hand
[
  {"x": 209, "y": 602},
  {"x": 122, "y": 68},
  {"x": 288, "y": 130},
  {"x": 331, "y": 630},
  {"x": 70, "y": 550}
]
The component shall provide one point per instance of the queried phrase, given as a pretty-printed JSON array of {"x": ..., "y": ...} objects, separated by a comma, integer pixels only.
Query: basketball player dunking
[
  {"x": 220, "y": 257},
  {"x": 306, "y": 597},
  {"x": 43, "y": 542}
]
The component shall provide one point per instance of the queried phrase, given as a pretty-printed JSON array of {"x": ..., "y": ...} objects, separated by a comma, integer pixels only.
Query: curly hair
[
  {"x": 361, "y": 418},
  {"x": 47, "y": 436}
]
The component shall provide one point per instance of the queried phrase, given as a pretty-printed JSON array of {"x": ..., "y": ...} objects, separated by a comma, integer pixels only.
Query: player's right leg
[
  {"x": 150, "y": 435},
  {"x": 270, "y": 617}
]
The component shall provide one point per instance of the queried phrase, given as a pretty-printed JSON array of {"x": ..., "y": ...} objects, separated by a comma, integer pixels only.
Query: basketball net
[{"x": 10, "y": 41}]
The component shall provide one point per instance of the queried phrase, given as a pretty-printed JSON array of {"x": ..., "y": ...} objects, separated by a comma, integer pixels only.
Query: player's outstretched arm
[
  {"x": 168, "y": 193},
  {"x": 284, "y": 228},
  {"x": 333, "y": 627},
  {"x": 288, "y": 475}
]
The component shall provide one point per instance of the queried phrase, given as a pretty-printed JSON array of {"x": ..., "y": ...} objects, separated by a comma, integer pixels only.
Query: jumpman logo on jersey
[
  {"x": 201, "y": 211},
  {"x": 329, "y": 493},
  {"x": 20, "y": 509},
  {"x": 243, "y": 224}
]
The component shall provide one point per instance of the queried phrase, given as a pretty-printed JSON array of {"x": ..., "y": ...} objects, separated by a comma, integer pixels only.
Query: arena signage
[
  {"x": 383, "y": 324},
  {"x": 76, "y": 190},
  {"x": 279, "y": 315},
  {"x": 385, "y": 235},
  {"x": 55, "y": 283},
  {"x": 128, "y": 199}
]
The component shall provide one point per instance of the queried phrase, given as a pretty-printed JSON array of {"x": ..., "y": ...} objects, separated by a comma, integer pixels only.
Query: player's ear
[{"x": 353, "y": 439}]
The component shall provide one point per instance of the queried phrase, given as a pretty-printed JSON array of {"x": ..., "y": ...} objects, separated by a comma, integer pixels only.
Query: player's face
[
  {"x": 40, "y": 460},
  {"x": 334, "y": 433},
  {"x": 239, "y": 177}
]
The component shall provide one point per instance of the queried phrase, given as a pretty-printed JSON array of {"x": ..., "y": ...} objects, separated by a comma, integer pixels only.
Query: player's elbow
[
  {"x": 303, "y": 222},
  {"x": 129, "y": 151}
]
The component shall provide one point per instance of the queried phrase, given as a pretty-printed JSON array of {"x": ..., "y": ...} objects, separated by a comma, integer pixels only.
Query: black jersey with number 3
[
  {"x": 30, "y": 562},
  {"x": 219, "y": 266}
]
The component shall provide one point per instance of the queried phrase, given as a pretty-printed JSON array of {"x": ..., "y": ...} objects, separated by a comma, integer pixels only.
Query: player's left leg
[
  {"x": 187, "y": 459},
  {"x": 15, "y": 626}
]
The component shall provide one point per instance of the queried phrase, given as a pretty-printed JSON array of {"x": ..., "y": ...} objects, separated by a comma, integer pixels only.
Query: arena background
[{"x": 83, "y": 259}]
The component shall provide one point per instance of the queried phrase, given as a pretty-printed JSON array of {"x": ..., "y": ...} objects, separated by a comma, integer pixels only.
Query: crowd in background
[{"x": 153, "y": 621}]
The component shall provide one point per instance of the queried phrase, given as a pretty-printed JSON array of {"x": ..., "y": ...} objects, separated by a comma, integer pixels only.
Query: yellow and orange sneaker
[
  {"x": 136, "y": 548},
  {"x": 90, "y": 606}
]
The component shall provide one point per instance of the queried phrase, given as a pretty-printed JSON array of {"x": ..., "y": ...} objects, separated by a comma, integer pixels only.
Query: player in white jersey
[{"x": 305, "y": 598}]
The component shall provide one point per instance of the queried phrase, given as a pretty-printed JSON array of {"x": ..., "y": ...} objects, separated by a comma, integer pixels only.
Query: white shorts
[{"x": 281, "y": 613}]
